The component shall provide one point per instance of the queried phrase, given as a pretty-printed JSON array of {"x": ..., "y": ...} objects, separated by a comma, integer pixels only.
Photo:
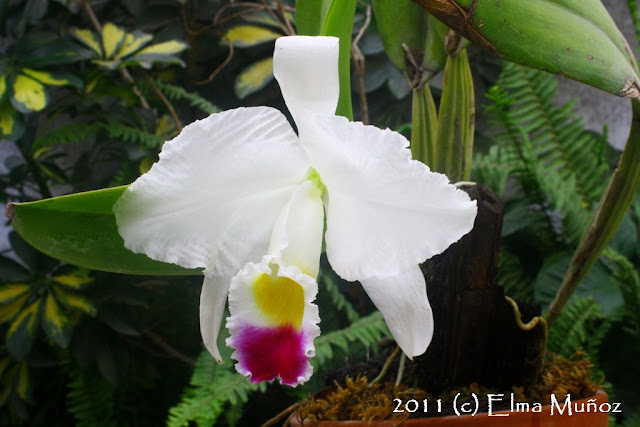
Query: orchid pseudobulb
[{"x": 242, "y": 196}]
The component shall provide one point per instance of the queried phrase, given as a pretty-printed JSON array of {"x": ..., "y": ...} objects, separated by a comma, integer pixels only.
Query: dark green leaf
[{"x": 80, "y": 229}]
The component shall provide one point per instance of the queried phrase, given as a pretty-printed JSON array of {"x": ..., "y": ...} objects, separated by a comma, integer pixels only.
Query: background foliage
[{"x": 89, "y": 91}]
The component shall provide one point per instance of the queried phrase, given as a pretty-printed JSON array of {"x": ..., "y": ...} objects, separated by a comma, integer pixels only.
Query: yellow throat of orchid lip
[{"x": 280, "y": 299}]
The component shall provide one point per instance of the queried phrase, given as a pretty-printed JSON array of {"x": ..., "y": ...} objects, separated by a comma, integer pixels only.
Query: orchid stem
[
  {"x": 385, "y": 368},
  {"x": 403, "y": 360},
  {"x": 613, "y": 206}
]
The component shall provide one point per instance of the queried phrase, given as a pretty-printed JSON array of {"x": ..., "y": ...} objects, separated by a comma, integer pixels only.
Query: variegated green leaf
[
  {"x": 250, "y": 35},
  {"x": 23, "y": 386},
  {"x": 55, "y": 322},
  {"x": 11, "y": 125},
  {"x": 53, "y": 79},
  {"x": 89, "y": 39},
  {"x": 10, "y": 310},
  {"x": 11, "y": 291},
  {"x": 112, "y": 38},
  {"x": 109, "y": 65},
  {"x": 3, "y": 87},
  {"x": 22, "y": 331},
  {"x": 75, "y": 301},
  {"x": 254, "y": 77},
  {"x": 72, "y": 281},
  {"x": 28, "y": 95},
  {"x": 133, "y": 42},
  {"x": 167, "y": 48}
]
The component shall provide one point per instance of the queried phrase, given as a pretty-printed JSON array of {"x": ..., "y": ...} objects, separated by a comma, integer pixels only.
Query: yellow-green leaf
[
  {"x": 112, "y": 38},
  {"x": 72, "y": 281},
  {"x": 4, "y": 363},
  {"x": 55, "y": 322},
  {"x": 254, "y": 77},
  {"x": 170, "y": 47},
  {"x": 11, "y": 291},
  {"x": 10, "y": 124},
  {"x": 132, "y": 43},
  {"x": 6, "y": 385},
  {"x": 22, "y": 331},
  {"x": 109, "y": 65},
  {"x": 10, "y": 310},
  {"x": 88, "y": 38},
  {"x": 250, "y": 35},
  {"x": 75, "y": 301},
  {"x": 24, "y": 385},
  {"x": 49, "y": 78},
  {"x": 28, "y": 95},
  {"x": 3, "y": 86}
]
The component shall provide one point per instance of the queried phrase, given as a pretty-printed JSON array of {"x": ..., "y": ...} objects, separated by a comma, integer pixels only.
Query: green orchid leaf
[
  {"x": 80, "y": 229},
  {"x": 250, "y": 35},
  {"x": 22, "y": 330},
  {"x": 310, "y": 15},
  {"x": 570, "y": 37},
  {"x": 55, "y": 322},
  {"x": 254, "y": 77},
  {"x": 28, "y": 95},
  {"x": 339, "y": 23}
]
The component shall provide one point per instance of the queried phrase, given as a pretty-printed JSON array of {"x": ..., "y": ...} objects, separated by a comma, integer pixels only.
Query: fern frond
[
  {"x": 72, "y": 133},
  {"x": 329, "y": 282},
  {"x": 132, "y": 134},
  {"x": 628, "y": 280},
  {"x": 90, "y": 399},
  {"x": 489, "y": 169},
  {"x": 560, "y": 166},
  {"x": 512, "y": 278},
  {"x": 575, "y": 328},
  {"x": 367, "y": 330},
  {"x": 175, "y": 93},
  {"x": 212, "y": 387}
]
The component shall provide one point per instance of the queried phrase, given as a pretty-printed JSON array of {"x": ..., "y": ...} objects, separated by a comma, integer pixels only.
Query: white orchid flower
[{"x": 242, "y": 196}]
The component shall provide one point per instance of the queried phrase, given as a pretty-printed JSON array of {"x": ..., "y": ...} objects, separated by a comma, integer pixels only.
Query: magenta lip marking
[{"x": 271, "y": 352}]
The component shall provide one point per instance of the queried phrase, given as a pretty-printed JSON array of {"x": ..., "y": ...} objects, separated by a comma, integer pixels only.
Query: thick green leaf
[
  {"x": 310, "y": 16},
  {"x": 574, "y": 38},
  {"x": 81, "y": 229},
  {"x": 339, "y": 23}
]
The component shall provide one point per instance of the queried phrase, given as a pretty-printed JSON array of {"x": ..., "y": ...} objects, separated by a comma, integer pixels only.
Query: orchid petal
[
  {"x": 213, "y": 197},
  {"x": 307, "y": 70},
  {"x": 273, "y": 322},
  {"x": 385, "y": 212},
  {"x": 213, "y": 300},
  {"x": 297, "y": 235},
  {"x": 403, "y": 302}
]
